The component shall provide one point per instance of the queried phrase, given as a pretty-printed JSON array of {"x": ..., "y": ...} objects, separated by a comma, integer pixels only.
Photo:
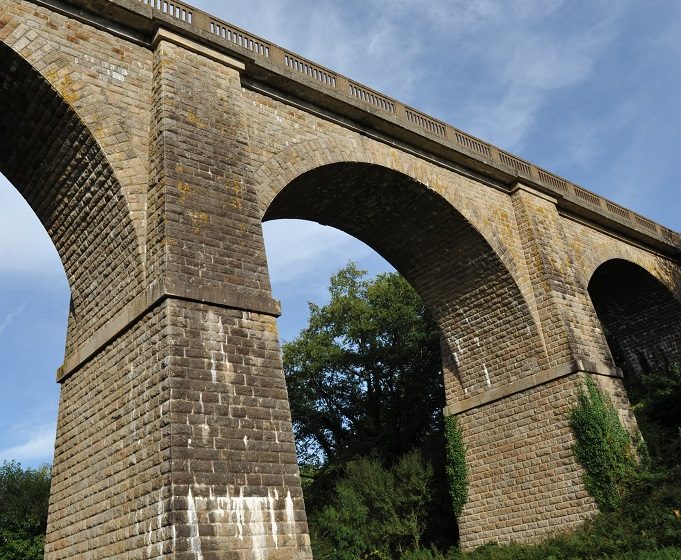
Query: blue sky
[{"x": 590, "y": 90}]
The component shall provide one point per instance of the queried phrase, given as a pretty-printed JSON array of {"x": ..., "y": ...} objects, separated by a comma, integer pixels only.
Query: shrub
[
  {"x": 24, "y": 496},
  {"x": 655, "y": 398},
  {"x": 376, "y": 512}
]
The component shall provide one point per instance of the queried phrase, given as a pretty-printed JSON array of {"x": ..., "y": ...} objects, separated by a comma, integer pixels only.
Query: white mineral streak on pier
[
  {"x": 147, "y": 540},
  {"x": 290, "y": 514},
  {"x": 213, "y": 368},
  {"x": 273, "y": 522},
  {"x": 220, "y": 356},
  {"x": 149, "y": 536},
  {"x": 254, "y": 517},
  {"x": 458, "y": 352},
  {"x": 487, "y": 378},
  {"x": 193, "y": 520},
  {"x": 159, "y": 522}
]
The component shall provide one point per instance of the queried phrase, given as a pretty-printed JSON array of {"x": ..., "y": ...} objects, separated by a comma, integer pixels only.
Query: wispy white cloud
[
  {"x": 469, "y": 17},
  {"x": 497, "y": 63},
  {"x": 297, "y": 249},
  {"x": 10, "y": 317},
  {"x": 367, "y": 44},
  {"x": 584, "y": 137},
  {"x": 36, "y": 444},
  {"x": 534, "y": 62}
]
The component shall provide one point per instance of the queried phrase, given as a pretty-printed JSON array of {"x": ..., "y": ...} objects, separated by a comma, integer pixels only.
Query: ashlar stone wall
[{"x": 152, "y": 161}]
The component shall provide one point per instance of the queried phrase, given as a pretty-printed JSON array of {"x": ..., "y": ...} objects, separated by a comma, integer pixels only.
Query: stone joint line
[
  {"x": 144, "y": 303},
  {"x": 530, "y": 382}
]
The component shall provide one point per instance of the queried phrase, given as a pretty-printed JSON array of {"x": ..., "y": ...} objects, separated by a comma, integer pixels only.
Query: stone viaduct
[{"x": 152, "y": 140}]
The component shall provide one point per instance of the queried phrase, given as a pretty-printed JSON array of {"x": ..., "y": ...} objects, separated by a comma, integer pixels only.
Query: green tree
[
  {"x": 24, "y": 496},
  {"x": 364, "y": 378},
  {"x": 655, "y": 399},
  {"x": 365, "y": 382},
  {"x": 456, "y": 468}
]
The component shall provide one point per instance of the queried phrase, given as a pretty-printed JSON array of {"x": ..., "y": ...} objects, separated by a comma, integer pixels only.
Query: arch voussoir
[
  {"x": 107, "y": 89},
  {"x": 53, "y": 159}
]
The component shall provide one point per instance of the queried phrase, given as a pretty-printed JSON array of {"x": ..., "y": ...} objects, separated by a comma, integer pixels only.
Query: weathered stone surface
[{"x": 152, "y": 160}]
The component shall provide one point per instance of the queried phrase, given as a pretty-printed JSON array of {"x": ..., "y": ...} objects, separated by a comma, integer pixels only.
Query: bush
[
  {"x": 20, "y": 547},
  {"x": 646, "y": 518},
  {"x": 376, "y": 512},
  {"x": 24, "y": 497},
  {"x": 655, "y": 400}
]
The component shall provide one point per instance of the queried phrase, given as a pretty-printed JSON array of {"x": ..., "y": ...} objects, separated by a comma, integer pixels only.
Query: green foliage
[
  {"x": 364, "y": 378},
  {"x": 602, "y": 446},
  {"x": 520, "y": 552},
  {"x": 20, "y": 547},
  {"x": 375, "y": 511},
  {"x": 455, "y": 464},
  {"x": 24, "y": 496},
  {"x": 646, "y": 517},
  {"x": 644, "y": 526},
  {"x": 655, "y": 398}
]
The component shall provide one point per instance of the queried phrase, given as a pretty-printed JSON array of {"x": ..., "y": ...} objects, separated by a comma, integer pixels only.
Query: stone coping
[
  {"x": 529, "y": 382},
  {"x": 153, "y": 296}
]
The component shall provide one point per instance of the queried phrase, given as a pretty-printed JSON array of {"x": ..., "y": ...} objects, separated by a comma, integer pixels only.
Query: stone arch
[
  {"x": 599, "y": 254},
  {"x": 54, "y": 161},
  {"x": 79, "y": 64},
  {"x": 639, "y": 313},
  {"x": 298, "y": 158},
  {"x": 489, "y": 335}
]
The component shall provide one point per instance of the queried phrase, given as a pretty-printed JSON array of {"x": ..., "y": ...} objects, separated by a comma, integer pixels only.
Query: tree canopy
[
  {"x": 365, "y": 376},
  {"x": 24, "y": 497},
  {"x": 366, "y": 392}
]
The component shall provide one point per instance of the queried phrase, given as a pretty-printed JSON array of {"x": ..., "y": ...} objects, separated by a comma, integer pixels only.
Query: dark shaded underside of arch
[
  {"x": 479, "y": 308},
  {"x": 55, "y": 163},
  {"x": 640, "y": 317}
]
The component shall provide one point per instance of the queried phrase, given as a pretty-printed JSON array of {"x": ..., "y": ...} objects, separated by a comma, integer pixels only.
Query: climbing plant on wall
[
  {"x": 457, "y": 472},
  {"x": 602, "y": 446}
]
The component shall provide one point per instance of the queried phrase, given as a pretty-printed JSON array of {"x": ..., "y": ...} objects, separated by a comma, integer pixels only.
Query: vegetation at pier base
[
  {"x": 656, "y": 399},
  {"x": 24, "y": 496},
  {"x": 375, "y": 510},
  {"x": 366, "y": 391}
]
